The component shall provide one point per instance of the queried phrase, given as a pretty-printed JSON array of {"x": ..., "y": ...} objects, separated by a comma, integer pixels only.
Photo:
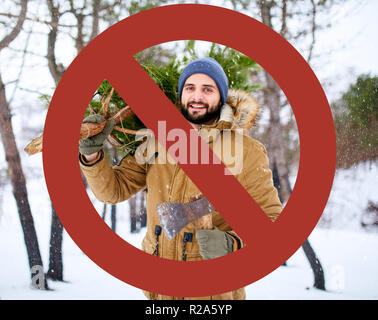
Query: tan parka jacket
[{"x": 168, "y": 182}]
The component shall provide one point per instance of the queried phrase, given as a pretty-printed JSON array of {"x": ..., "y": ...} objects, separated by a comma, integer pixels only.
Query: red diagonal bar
[{"x": 223, "y": 191}]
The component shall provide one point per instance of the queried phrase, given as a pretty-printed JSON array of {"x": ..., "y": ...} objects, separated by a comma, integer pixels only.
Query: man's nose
[{"x": 197, "y": 95}]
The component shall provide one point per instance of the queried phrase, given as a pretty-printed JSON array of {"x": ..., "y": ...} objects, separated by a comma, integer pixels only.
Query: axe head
[{"x": 176, "y": 215}]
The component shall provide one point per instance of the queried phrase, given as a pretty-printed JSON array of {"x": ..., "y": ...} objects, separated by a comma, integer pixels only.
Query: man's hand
[
  {"x": 214, "y": 243},
  {"x": 90, "y": 146}
]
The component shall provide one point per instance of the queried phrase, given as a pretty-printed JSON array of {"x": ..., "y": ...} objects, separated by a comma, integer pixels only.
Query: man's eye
[
  {"x": 189, "y": 88},
  {"x": 208, "y": 90}
]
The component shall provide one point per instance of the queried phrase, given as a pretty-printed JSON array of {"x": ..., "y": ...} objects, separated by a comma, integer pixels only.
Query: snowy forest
[{"x": 38, "y": 41}]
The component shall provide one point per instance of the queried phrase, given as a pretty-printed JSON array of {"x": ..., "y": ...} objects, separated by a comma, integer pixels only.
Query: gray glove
[
  {"x": 214, "y": 243},
  {"x": 95, "y": 143}
]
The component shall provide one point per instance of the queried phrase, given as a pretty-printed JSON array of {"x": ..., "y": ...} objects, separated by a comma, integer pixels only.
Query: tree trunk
[
  {"x": 103, "y": 215},
  {"x": 319, "y": 282},
  {"x": 56, "y": 70},
  {"x": 113, "y": 217},
  {"x": 142, "y": 210},
  {"x": 55, "y": 271},
  {"x": 17, "y": 179},
  {"x": 276, "y": 146},
  {"x": 133, "y": 215},
  {"x": 113, "y": 212},
  {"x": 315, "y": 264}
]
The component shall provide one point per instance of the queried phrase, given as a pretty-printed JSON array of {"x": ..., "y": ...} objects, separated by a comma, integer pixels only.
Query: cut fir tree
[{"x": 107, "y": 102}]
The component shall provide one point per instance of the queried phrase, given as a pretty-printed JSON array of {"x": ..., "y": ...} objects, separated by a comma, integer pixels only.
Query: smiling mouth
[{"x": 197, "y": 106}]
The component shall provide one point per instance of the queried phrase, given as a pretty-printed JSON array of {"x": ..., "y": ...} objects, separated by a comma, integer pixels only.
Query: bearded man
[{"x": 208, "y": 104}]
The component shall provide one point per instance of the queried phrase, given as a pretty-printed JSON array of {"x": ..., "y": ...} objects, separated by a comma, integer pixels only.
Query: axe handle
[{"x": 204, "y": 223}]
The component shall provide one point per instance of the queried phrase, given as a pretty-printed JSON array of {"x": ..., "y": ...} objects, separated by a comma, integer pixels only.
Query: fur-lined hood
[{"x": 240, "y": 110}]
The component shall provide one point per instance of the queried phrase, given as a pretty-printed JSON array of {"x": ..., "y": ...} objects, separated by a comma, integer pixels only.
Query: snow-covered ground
[
  {"x": 351, "y": 191},
  {"x": 348, "y": 254}
]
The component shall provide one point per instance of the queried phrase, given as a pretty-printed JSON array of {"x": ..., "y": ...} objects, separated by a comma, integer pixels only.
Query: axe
[{"x": 176, "y": 215}]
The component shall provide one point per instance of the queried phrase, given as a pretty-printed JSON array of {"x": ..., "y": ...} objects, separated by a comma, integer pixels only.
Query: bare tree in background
[
  {"x": 55, "y": 271},
  {"x": 279, "y": 15},
  {"x": 16, "y": 174},
  {"x": 133, "y": 214},
  {"x": 142, "y": 209},
  {"x": 93, "y": 10},
  {"x": 274, "y": 101},
  {"x": 82, "y": 33}
]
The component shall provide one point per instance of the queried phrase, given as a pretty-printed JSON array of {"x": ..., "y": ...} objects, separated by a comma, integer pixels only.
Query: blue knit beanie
[{"x": 210, "y": 67}]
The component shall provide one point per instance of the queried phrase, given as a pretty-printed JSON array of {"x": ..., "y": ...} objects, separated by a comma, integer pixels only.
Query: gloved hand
[
  {"x": 214, "y": 243},
  {"x": 94, "y": 144}
]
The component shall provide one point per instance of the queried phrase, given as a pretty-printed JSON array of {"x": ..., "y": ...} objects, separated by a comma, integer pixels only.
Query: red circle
[{"x": 110, "y": 56}]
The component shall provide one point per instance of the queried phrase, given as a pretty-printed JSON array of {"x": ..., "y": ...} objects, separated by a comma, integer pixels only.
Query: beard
[{"x": 200, "y": 119}]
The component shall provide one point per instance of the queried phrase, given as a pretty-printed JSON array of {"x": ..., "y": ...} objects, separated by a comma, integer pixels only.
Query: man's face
[{"x": 200, "y": 99}]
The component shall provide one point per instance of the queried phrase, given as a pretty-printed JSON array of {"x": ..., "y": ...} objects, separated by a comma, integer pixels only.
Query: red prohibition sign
[{"x": 110, "y": 56}]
